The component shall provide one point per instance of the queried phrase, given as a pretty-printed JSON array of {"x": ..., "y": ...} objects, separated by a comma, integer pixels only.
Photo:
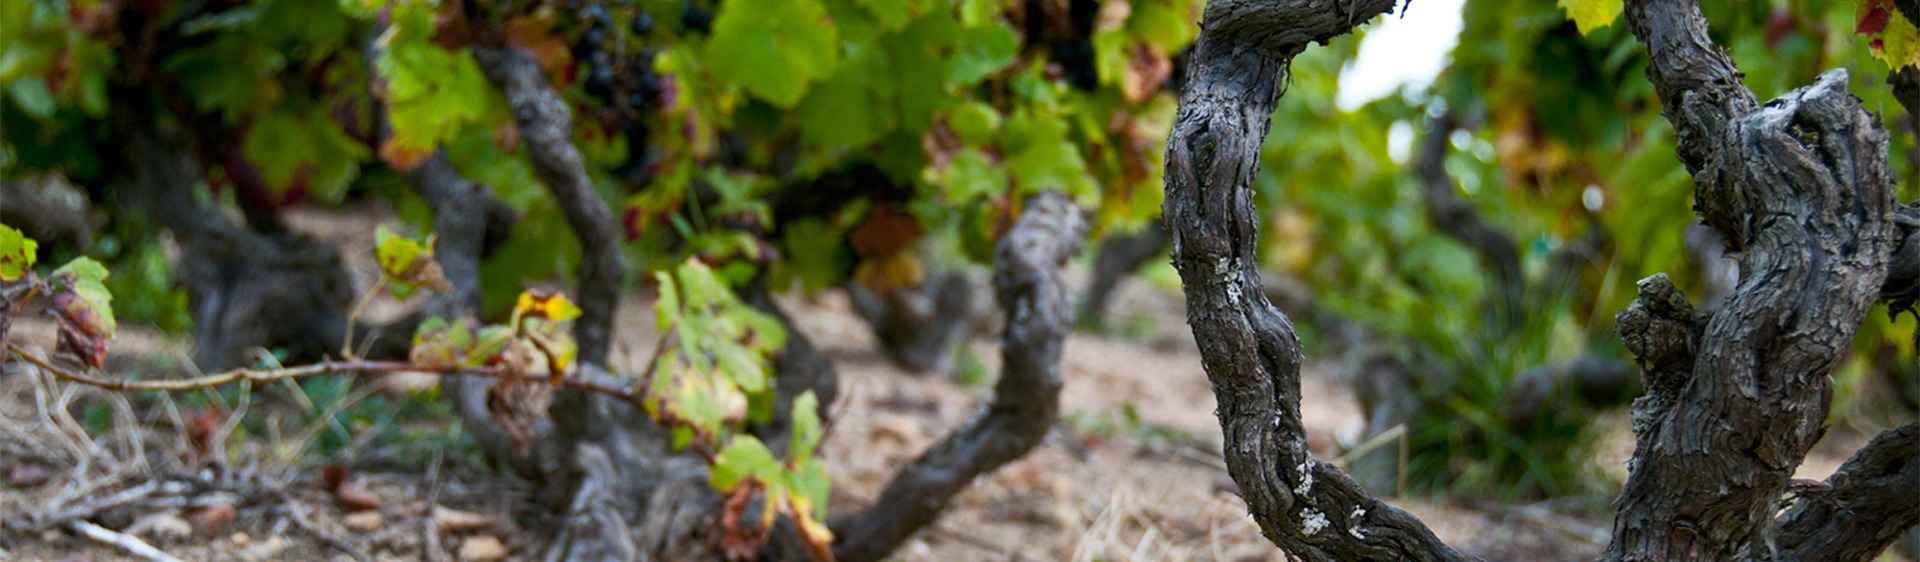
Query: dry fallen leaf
[
  {"x": 363, "y": 522},
  {"x": 28, "y": 475},
  {"x": 456, "y": 521},
  {"x": 211, "y": 520},
  {"x": 482, "y": 548}
]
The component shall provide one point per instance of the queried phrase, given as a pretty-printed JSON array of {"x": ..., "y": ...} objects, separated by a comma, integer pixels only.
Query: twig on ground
[
  {"x": 124, "y": 542},
  {"x": 429, "y": 529},
  {"x": 86, "y": 509},
  {"x": 298, "y": 514},
  {"x": 600, "y": 383}
]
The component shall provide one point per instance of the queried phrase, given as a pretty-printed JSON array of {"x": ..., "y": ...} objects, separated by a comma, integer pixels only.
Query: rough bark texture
[
  {"x": 1863, "y": 507},
  {"x": 545, "y": 124},
  {"x": 1799, "y": 188},
  {"x": 1119, "y": 256},
  {"x": 1235, "y": 76},
  {"x": 1027, "y": 281}
]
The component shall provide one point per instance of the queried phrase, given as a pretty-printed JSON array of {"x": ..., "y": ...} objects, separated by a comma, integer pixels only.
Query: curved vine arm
[
  {"x": 1026, "y": 400},
  {"x": 1800, "y": 188},
  {"x": 544, "y": 121},
  {"x": 1237, "y": 73},
  {"x": 1862, "y": 508}
]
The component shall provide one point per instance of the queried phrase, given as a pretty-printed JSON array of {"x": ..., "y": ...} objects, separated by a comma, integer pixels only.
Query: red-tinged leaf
[
  {"x": 738, "y": 540},
  {"x": 532, "y": 33},
  {"x": 402, "y": 157},
  {"x": 1874, "y": 15},
  {"x": 83, "y": 308},
  {"x": 200, "y": 428},
  {"x": 885, "y": 232},
  {"x": 333, "y": 475},
  {"x": 351, "y": 497}
]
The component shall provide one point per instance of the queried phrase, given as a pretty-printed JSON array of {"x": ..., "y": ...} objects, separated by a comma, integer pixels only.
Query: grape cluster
[{"x": 620, "y": 76}]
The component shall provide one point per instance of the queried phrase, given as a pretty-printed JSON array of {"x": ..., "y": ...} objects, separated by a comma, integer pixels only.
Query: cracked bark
[
  {"x": 1859, "y": 510},
  {"x": 1236, "y": 74},
  {"x": 1799, "y": 188},
  {"x": 1027, "y": 281}
]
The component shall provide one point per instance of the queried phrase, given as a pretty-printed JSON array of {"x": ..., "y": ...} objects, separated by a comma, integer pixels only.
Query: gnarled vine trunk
[{"x": 1799, "y": 187}]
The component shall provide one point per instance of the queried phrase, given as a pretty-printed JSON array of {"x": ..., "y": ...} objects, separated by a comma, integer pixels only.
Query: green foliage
[
  {"x": 797, "y": 486},
  {"x": 304, "y": 149},
  {"x": 717, "y": 364},
  {"x": 17, "y": 253},
  {"x": 773, "y": 48},
  {"x": 431, "y": 92},
  {"x": 92, "y": 303}
]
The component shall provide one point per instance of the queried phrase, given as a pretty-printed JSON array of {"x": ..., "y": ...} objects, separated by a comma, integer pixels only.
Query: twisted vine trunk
[
  {"x": 1798, "y": 187},
  {"x": 1026, "y": 400},
  {"x": 1235, "y": 76}
]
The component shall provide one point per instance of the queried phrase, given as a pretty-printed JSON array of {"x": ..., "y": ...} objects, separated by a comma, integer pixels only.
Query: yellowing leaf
[
  {"x": 407, "y": 263},
  {"x": 898, "y": 271},
  {"x": 438, "y": 343},
  {"x": 1589, "y": 15},
  {"x": 16, "y": 253},
  {"x": 1899, "y": 44},
  {"x": 553, "y": 307}
]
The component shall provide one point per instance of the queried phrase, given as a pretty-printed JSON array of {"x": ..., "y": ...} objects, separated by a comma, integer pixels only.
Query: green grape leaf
[
  {"x": 808, "y": 482},
  {"x": 815, "y": 255},
  {"x": 856, "y": 105},
  {"x": 970, "y": 174},
  {"x": 974, "y": 121},
  {"x": 667, "y": 308},
  {"x": 982, "y": 51},
  {"x": 744, "y": 458},
  {"x": 440, "y": 344},
  {"x": 83, "y": 308},
  {"x": 892, "y": 14},
  {"x": 33, "y": 96},
  {"x": 773, "y": 48},
  {"x": 303, "y": 151},
  {"x": 1589, "y": 15},
  {"x": 17, "y": 253},
  {"x": 806, "y": 428},
  {"x": 976, "y": 12},
  {"x": 488, "y": 344},
  {"x": 741, "y": 365},
  {"x": 430, "y": 92}
]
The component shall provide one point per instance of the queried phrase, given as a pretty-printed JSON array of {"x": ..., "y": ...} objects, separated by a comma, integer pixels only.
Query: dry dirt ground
[{"x": 1131, "y": 474}]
